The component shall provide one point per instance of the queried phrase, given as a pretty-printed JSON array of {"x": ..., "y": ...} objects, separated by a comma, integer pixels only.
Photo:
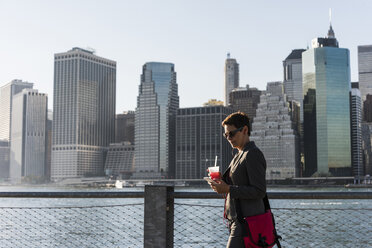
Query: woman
[{"x": 244, "y": 180}]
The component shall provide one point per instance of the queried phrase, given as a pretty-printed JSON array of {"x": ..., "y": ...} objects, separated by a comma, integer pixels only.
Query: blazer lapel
[
  {"x": 237, "y": 161},
  {"x": 233, "y": 162},
  {"x": 238, "y": 156}
]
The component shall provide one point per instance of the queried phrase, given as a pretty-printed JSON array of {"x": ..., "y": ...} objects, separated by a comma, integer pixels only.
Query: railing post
[{"x": 159, "y": 216}]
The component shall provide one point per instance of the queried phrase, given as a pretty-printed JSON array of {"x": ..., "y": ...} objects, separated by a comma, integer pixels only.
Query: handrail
[
  {"x": 186, "y": 195},
  {"x": 81, "y": 194},
  {"x": 285, "y": 195}
]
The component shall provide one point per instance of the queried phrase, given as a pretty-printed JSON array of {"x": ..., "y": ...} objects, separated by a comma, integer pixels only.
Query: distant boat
[{"x": 118, "y": 184}]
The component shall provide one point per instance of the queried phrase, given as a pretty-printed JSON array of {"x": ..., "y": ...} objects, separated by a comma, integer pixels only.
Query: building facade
[
  {"x": 292, "y": 70},
  {"x": 367, "y": 108},
  {"x": 155, "y": 122},
  {"x": 245, "y": 100},
  {"x": 83, "y": 113},
  {"x": 4, "y": 159},
  {"x": 120, "y": 160},
  {"x": 356, "y": 133},
  {"x": 48, "y": 162},
  {"x": 367, "y": 147},
  {"x": 365, "y": 70},
  {"x": 273, "y": 133},
  {"x": 326, "y": 77},
  {"x": 29, "y": 136},
  {"x": 199, "y": 140},
  {"x": 231, "y": 77},
  {"x": 124, "y": 128},
  {"x": 6, "y": 100}
]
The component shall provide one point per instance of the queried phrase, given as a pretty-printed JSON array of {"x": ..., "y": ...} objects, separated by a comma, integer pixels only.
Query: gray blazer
[{"x": 246, "y": 175}]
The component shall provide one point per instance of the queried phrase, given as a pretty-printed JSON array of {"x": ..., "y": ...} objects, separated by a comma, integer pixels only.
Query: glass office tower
[
  {"x": 155, "y": 121},
  {"x": 326, "y": 77}
]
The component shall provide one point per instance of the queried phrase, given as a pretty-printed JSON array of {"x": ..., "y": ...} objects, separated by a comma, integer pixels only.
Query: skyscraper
[
  {"x": 292, "y": 83},
  {"x": 273, "y": 133},
  {"x": 326, "y": 77},
  {"x": 245, "y": 99},
  {"x": 155, "y": 121},
  {"x": 231, "y": 77},
  {"x": 356, "y": 133},
  {"x": 199, "y": 141},
  {"x": 365, "y": 70},
  {"x": 28, "y": 136},
  {"x": 83, "y": 113},
  {"x": 7, "y": 92},
  {"x": 6, "y": 98}
]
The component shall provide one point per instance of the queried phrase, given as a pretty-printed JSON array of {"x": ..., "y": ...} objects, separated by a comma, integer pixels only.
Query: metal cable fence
[
  {"x": 87, "y": 226},
  {"x": 112, "y": 219},
  {"x": 325, "y": 227},
  {"x": 203, "y": 226},
  {"x": 199, "y": 226}
]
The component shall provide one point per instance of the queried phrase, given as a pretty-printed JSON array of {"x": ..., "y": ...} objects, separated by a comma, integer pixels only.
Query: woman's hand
[{"x": 220, "y": 186}]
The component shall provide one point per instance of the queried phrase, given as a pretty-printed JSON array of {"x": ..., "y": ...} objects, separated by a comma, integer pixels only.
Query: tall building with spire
[
  {"x": 83, "y": 113},
  {"x": 231, "y": 77},
  {"x": 326, "y": 87},
  {"x": 155, "y": 122}
]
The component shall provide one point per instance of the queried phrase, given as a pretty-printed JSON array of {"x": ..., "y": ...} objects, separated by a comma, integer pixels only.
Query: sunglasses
[{"x": 232, "y": 133}]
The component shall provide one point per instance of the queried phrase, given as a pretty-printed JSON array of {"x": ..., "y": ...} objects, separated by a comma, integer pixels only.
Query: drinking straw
[{"x": 215, "y": 162}]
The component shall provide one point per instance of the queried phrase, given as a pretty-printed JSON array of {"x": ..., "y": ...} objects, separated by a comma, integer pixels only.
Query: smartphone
[{"x": 208, "y": 180}]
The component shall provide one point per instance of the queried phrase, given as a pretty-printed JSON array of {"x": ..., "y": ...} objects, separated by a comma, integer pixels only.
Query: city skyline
[{"x": 163, "y": 32}]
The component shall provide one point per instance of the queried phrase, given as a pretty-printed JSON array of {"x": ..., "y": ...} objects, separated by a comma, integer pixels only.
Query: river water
[{"x": 91, "y": 222}]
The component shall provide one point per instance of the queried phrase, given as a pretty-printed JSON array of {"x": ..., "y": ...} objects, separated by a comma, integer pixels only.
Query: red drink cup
[
  {"x": 215, "y": 175},
  {"x": 214, "y": 172}
]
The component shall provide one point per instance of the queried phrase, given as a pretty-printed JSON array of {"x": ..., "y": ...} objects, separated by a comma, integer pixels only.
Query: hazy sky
[{"x": 195, "y": 35}]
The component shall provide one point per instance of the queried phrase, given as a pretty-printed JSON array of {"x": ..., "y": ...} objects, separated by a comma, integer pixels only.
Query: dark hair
[{"x": 238, "y": 119}]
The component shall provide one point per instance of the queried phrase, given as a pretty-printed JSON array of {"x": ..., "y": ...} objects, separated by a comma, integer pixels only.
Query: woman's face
[{"x": 235, "y": 136}]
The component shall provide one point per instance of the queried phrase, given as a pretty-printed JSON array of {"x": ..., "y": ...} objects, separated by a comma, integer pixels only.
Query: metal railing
[{"x": 160, "y": 217}]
